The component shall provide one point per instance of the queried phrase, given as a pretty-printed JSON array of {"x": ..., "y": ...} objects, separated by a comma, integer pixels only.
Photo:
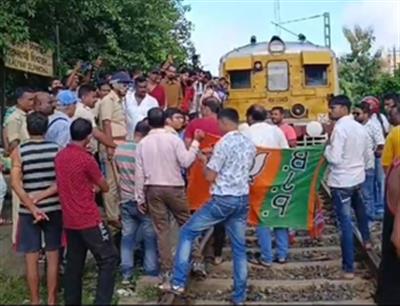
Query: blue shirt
[
  {"x": 58, "y": 130},
  {"x": 232, "y": 159}
]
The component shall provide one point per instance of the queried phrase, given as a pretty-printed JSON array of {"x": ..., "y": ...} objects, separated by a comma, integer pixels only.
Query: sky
[{"x": 222, "y": 25}]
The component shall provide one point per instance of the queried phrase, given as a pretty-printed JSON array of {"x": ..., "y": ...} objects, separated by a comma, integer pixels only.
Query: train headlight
[
  {"x": 258, "y": 66},
  {"x": 298, "y": 111},
  {"x": 276, "y": 45}
]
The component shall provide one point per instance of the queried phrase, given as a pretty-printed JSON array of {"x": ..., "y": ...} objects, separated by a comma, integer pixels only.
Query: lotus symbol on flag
[{"x": 258, "y": 165}]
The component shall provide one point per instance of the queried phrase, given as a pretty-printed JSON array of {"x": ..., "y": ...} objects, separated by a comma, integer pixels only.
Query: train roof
[{"x": 261, "y": 48}]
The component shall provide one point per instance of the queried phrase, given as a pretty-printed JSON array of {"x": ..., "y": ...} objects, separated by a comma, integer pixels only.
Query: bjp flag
[{"x": 284, "y": 186}]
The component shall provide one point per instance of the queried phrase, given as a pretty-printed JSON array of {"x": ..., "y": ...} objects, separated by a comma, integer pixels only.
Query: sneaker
[
  {"x": 125, "y": 282},
  {"x": 42, "y": 257},
  {"x": 177, "y": 290},
  {"x": 264, "y": 263},
  {"x": 165, "y": 284},
  {"x": 253, "y": 259},
  {"x": 218, "y": 260},
  {"x": 199, "y": 269},
  {"x": 281, "y": 261},
  {"x": 260, "y": 262}
]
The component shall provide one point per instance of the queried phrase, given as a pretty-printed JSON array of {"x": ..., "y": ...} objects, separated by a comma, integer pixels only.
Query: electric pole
[{"x": 277, "y": 14}]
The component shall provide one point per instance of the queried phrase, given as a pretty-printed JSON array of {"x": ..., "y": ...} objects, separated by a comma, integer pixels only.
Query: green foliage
[
  {"x": 387, "y": 83},
  {"x": 123, "y": 32},
  {"x": 360, "y": 70}
]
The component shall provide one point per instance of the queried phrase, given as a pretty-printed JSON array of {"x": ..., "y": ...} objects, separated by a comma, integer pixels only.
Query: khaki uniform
[
  {"x": 173, "y": 92},
  {"x": 111, "y": 109},
  {"x": 16, "y": 130}
]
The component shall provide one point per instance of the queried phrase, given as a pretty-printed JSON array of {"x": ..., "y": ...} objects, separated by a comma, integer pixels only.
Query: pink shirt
[
  {"x": 160, "y": 157},
  {"x": 289, "y": 131}
]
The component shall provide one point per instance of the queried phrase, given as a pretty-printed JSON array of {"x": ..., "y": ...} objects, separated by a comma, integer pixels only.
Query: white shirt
[
  {"x": 347, "y": 154},
  {"x": 385, "y": 122},
  {"x": 375, "y": 139},
  {"x": 85, "y": 112},
  {"x": 266, "y": 135},
  {"x": 136, "y": 112}
]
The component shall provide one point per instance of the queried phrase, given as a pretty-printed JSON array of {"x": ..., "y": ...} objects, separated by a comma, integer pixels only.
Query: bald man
[{"x": 44, "y": 103}]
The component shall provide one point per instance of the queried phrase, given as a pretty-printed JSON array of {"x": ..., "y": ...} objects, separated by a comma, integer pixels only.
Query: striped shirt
[
  {"x": 36, "y": 159},
  {"x": 125, "y": 158}
]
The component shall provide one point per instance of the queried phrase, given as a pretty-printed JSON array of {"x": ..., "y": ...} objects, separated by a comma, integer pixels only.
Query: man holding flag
[
  {"x": 264, "y": 135},
  {"x": 228, "y": 170}
]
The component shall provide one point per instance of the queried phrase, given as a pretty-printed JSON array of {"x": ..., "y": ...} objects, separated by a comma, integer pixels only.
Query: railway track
[{"x": 312, "y": 274}]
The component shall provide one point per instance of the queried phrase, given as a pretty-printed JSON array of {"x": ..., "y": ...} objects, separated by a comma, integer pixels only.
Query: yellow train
[{"x": 298, "y": 76}]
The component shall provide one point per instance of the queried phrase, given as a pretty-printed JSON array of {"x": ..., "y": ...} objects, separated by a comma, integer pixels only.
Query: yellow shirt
[
  {"x": 173, "y": 92},
  {"x": 391, "y": 150},
  {"x": 16, "y": 126},
  {"x": 111, "y": 109}
]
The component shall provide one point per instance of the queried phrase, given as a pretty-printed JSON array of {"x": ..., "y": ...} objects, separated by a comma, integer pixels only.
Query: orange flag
[{"x": 198, "y": 189}]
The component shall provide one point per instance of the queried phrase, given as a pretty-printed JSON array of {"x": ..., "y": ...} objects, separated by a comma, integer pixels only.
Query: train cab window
[
  {"x": 278, "y": 76},
  {"x": 240, "y": 79},
  {"x": 316, "y": 75}
]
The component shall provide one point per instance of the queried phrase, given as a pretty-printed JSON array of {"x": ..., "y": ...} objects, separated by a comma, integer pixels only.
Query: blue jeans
[
  {"x": 233, "y": 212},
  {"x": 379, "y": 188},
  {"x": 132, "y": 222},
  {"x": 264, "y": 235},
  {"x": 368, "y": 193},
  {"x": 344, "y": 199}
]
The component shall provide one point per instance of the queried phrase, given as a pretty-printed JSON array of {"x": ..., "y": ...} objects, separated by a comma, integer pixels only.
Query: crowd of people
[{"x": 132, "y": 139}]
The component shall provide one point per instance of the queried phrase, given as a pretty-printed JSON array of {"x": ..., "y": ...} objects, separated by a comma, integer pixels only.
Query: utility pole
[
  {"x": 327, "y": 29},
  {"x": 277, "y": 14}
]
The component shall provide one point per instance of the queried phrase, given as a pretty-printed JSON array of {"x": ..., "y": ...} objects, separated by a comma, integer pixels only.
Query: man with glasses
[
  {"x": 174, "y": 120},
  {"x": 112, "y": 123},
  {"x": 347, "y": 156},
  {"x": 362, "y": 114}
]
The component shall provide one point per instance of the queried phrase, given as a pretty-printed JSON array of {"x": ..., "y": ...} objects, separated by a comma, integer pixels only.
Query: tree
[
  {"x": 387, "y": 83},
  {"x": 360, "y": 69},
  {"x": 123, "y": 32}
]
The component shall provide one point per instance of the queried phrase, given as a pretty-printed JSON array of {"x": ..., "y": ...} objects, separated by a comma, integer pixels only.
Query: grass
[
  {"x": 148, "y": 294},
  {"x": 13, "y": 290}
]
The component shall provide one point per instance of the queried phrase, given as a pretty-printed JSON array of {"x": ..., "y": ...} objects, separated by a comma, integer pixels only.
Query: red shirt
[
  {"x": 158, "y": 93},
  {"x": 187, "y": 99},
  {"x": 289, "y": 131},
  {"x": 76, "y": 173},
  {"x": 207, "y": 125}
]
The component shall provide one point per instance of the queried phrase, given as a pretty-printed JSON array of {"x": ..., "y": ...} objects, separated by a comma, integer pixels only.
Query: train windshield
[
  {"x": 316, "y": 75},
  {"x": 278, "y": 76},
  {"x": 240, "y": 79}
]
